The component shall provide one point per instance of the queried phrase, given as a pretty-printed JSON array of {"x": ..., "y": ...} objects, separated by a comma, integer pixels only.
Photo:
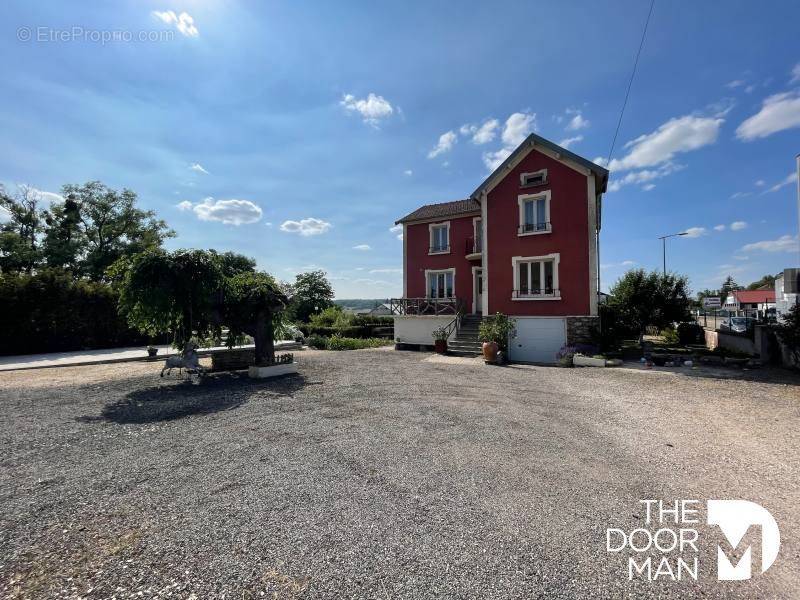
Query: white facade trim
[
  {"x": 475, "y": 288},
  {"x": 436, "y": 272},
  {"x": 405, "y": 260},
  {"x": 555, "y": 257},
  {"x": 522, "y": 199},
  {"x": 433, "y": 226},
  {"x": 593, "y": 242},
  {"x": 524, "y": 176}
]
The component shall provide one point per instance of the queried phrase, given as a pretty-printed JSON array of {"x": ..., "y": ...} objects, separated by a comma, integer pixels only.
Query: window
[
  {"x": 536, "y": 277},
  {"x": 532, "y": 179},
  {"x": 440, "y": 283},
  {"x": 477, "y": 246},
  {"x": 534, "y": 214},
  {"x": 439, "y": 237}
]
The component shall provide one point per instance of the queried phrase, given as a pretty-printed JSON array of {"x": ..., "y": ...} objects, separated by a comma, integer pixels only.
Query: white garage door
[{"x": 538, "y": 339}]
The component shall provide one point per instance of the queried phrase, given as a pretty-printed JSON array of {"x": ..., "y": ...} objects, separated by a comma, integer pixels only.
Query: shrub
[
  {"x": 690, "y": 333},
  {"x": 51, "y": 311},
  {"x": 337, "y": 342},
  {"x": 496, "y": 328},
  {"x": 317, "y": 341},
  {"x": 333, "y": 316},
  {"x": 670, "y": 336}
]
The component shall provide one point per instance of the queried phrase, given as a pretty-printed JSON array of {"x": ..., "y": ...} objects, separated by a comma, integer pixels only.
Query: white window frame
[
  {"x": 515, "y": 262},
  {"x": 477, "y": 232},
  {"x": 524, "y": 176},
  {"x": 429, "y": 272},
  {"x": 521, "y": 200},
  {"x": 431, "y": 227}
]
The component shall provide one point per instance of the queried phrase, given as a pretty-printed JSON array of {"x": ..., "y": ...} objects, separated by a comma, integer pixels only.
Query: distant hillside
[{"x": 360, "y": 303}]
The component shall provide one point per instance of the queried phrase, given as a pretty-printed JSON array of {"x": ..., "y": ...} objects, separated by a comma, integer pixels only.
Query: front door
[{"x": 477, "y": 286}]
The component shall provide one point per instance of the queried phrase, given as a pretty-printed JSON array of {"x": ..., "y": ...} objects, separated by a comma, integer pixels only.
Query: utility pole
[{"x": 663, "y": 239}]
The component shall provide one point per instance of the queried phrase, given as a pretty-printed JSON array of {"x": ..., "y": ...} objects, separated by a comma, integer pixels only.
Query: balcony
[
  {"x": 473, "y": 248},
  {"x": 546, "y": 293},
  {"x": 425, "y": 306},
  {"x": 534, "y": 228}
]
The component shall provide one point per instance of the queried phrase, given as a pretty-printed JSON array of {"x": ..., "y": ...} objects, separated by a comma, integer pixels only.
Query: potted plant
[
  {"x": 440, "y": 336},
  {"x": 151, "y": 351},
  {"x": 494, "y": 332},
  {"x": 564, "y": 356}
]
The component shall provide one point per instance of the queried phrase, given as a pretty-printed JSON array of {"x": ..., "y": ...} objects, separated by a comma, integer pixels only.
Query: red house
[{"x": 525, "y": 243}]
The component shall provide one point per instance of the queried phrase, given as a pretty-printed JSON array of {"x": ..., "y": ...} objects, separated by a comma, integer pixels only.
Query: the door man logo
[
  {"x": 734, "y": 518},
  {"x": 672, "y": 534}
]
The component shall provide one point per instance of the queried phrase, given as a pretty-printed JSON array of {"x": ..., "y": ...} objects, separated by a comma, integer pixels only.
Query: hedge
[
  {"x": 51, "y": 311},
  {"x": 336, "y": 342},
  {"x": 354, "y": 331}
]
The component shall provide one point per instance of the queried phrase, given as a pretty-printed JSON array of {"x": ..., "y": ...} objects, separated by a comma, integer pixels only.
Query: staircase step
[{"x": 464, "y": 353}]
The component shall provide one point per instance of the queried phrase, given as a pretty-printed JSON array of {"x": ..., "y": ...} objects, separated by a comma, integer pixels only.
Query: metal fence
[{"x": 719, "y": 317}]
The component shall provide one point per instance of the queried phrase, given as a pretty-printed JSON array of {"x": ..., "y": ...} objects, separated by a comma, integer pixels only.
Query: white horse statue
[{"x": 187, "y": 360}]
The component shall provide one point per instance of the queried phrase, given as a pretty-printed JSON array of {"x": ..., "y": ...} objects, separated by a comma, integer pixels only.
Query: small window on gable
[{"x": 532, "y": 179}]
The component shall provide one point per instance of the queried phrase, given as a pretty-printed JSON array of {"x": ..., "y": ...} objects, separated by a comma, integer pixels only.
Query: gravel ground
[{"x": 379, "y": 474}]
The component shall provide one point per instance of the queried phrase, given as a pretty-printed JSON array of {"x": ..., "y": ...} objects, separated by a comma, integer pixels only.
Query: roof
[
  {"x": 444, "y": 209},
  {"x": 537, "y": 140},
  {"x": 754, "y": 296}
]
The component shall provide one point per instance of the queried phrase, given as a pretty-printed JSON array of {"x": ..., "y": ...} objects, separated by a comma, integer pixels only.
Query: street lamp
[{"x": 663, "y": 239}]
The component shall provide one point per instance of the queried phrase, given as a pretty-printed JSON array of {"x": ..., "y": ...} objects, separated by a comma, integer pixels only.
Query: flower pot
[
  {"x": 490, "y": 351},
  {"x": 440, "y": 346},
  {"x": 152, "y": 351}
]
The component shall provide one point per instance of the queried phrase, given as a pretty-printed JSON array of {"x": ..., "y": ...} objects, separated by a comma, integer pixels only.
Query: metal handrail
[
  {"x": 531, "y": 227},
  {"x": 473, "y": 246},
  {"x": 544, "y": 292}
]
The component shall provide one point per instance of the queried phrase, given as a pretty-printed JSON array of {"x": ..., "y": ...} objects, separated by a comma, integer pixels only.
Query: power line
[{"x": 630, "y": 83}]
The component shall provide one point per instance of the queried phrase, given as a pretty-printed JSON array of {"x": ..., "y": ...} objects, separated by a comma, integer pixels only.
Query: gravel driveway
[{"x": 378, "y": 474}]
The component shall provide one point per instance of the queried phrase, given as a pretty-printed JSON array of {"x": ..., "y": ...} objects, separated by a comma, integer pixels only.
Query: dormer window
[
  {"x": 533, "y": 179},
  {"x": 439, "y": 238}
]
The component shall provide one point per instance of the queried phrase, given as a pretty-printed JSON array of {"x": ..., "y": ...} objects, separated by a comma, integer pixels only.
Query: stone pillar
[{"x": 582, "y": 330}]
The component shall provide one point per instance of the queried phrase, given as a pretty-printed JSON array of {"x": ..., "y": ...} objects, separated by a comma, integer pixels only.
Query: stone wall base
[{"x": 582, "y": 330}]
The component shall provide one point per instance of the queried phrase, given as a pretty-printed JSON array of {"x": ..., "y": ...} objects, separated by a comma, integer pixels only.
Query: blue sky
[{"x": 297, "y": 133}]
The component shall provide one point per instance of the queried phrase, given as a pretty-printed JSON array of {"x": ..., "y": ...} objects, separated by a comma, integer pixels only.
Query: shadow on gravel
[
  {"x": 216, "y": 392},
  {"x": 761, "y": 375}
]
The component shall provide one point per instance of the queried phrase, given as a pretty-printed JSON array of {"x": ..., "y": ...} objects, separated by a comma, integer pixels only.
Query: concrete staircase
[{"x": 466, "y": 341}]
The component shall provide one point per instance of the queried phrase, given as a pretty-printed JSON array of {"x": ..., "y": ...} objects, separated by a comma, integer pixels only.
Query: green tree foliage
[
  {"x": 312, "y": 293},
  {"x": 641, "y": 299},
  {"x": 172, "y": 292},
  {"x": 252, "y": 302},
  {"x": 728, "y": 287},
  {"x": 767, "y": 282},
  {"x": 20, "y": 233},
  {"x": 789, "y": 332}
]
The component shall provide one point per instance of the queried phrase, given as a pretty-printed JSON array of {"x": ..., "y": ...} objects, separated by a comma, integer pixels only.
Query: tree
[
  {"x": 641, "y": 299},
  {"x": 112, "y": 226},
  {"x": 312, "y": 293},
  {"x": 175, "y": 292},
  {"x": 728, "y": 287},
  {"x": 20, "y": 234},
  {"x": 64, "y": 241},
  {"x": 789, "y": 332},
  {"x": 767, "y": 282},
  {"x": 252, "y": 302}
]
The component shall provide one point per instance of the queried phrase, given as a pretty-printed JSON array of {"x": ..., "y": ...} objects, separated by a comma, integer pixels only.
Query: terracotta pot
[
  {"x": 440, "y": 346},
  {"x": 490, "y": 351}
]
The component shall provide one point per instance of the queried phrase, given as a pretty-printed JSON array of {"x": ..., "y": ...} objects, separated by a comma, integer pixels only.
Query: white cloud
[
  {"x": 446, "y": 142},
  {"x": 577, "y": 122},
  {"x": 372, "y": 109},
  {"x": 397, "y": 230},
  {"x": 518, "y": 126},
  {"x": 624, "y": 263},
  {"x": 643, "y": 177},
  {"x": 738, "y": 225},
  {"x": 229, "y": 212},
  {"x": 379, "y": 271},
  {"x": 740, "y": 195},
  {"x": 676, "y": 136},
  {"x": 567, "y": 142},
  {"x": 695, "y": 232},
  {"x": 362, "y": 247},
  {"x": 648, "y": 186},
  {"x": 185, "y": 205},
  {"x": 408, "y": 172},
  {"x": 795, "y": 73},
  {"x": 182, "y": 22},
  {"x": 734, "y": 84},
  {"x": 788, "y": 180},
  {"x": 482, "y": 134},
  {"x": 761, "y": 183},
  {"x": 785, "y": 243},
  {"x": 778, "y": 112},
  {"x": 719, "y": 227},
  {"x": 198, "y": 167},
  {"x": 306, "y": 227}
]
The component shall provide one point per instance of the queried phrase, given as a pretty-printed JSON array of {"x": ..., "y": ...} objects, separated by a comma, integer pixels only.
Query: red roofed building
[{"x": 760, "y": 300}]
